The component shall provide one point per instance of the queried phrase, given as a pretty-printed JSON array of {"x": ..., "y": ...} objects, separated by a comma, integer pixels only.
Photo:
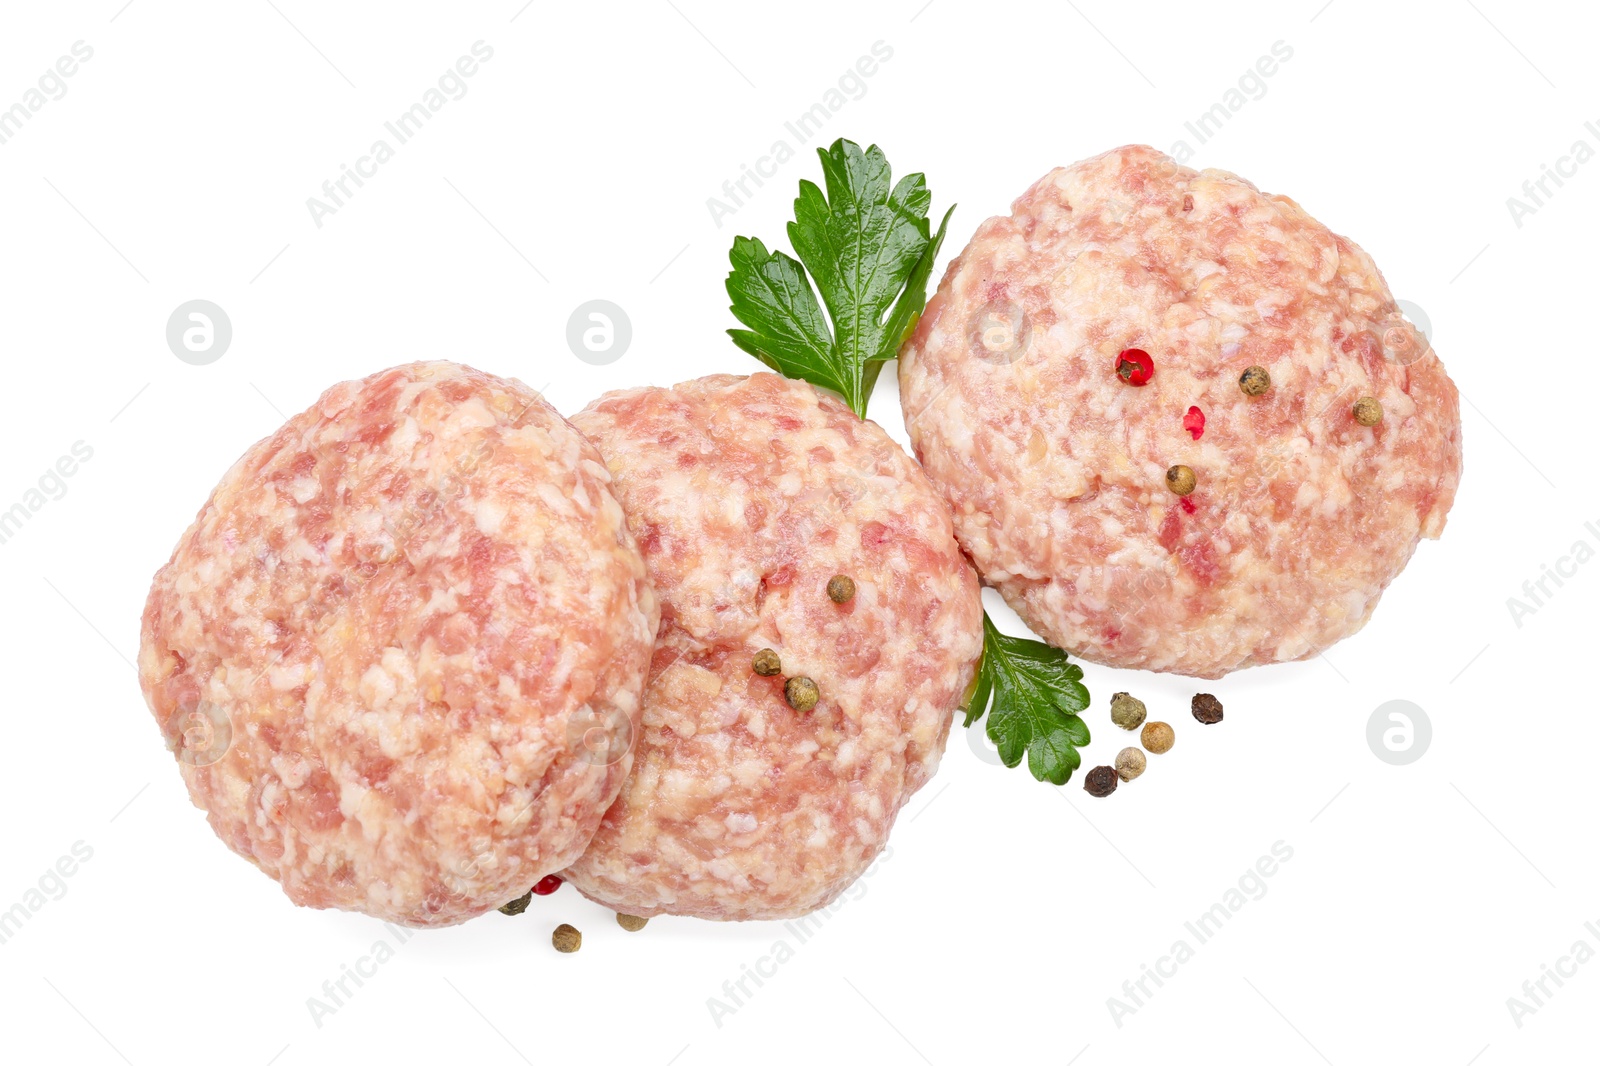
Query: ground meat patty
[
  {"x": 747, "y": 495},
  {"x": 1055, "y": 468},
  {"x": 380, "y": 646}
]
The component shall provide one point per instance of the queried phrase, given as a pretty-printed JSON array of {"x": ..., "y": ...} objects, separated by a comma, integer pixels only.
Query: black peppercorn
[
  {"x": 1100, "y": 782},
  {"x": 1207, "y": 709}
]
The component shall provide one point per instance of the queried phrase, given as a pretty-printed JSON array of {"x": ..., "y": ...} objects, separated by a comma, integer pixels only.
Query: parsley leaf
[
  {"x": 867, "y": 248},
  {"x": 1037, "y": 697}
]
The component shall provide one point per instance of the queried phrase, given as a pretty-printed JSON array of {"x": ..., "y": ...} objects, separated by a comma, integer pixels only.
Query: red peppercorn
[
  {"x": 1135, "y": 366},
  {"x": 1195, "y": 422},
  {"x": 547, "y": 884}
]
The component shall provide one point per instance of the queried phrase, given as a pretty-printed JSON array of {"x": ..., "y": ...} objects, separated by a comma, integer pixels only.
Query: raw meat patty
[
  {"x": 380, "y": 647},
  {"x": 747, "y": 495},
  {"x": 1055, "y": 468}
]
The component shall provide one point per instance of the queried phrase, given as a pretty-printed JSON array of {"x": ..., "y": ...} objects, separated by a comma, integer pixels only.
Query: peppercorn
[
  {"x": 631, "y": 923},
  {"x": 566, "y": 939},
  {"x": 1157, "y": 738},
  {"x": 801, "y": 692},
  {"x": 1207, "y": 709},
  {"x": 1255, "y": 381},
  {"x": 1130, "y": 763},
  {"x": 1127, "y": 711},
  {"x": 1135, "y": 366},
  {"x": 518, "y": 905},
  {"x": 1367, "y": 411},
  {"x": 766, "y": 663},
  {"x": 1181, "y": 480},
  {"x": 547, "y": 884},
  {"x": 1100, "y": 782},
  {"x": 841, "y": 589}
]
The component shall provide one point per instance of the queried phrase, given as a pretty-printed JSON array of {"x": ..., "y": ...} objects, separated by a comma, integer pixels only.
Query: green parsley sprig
[
  {"x": 1037, "y": 697},
  {"x": 867, "y": 247}
]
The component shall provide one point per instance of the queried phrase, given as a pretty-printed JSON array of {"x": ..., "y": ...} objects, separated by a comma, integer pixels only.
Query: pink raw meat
[
  {"x": 384, "y": 650},
  {"x": 1055, "y": 467},
  {"x": 747, "y": 495}
]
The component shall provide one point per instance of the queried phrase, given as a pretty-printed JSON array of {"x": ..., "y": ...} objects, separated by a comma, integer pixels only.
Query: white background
[{"x": 577, "y": 166}]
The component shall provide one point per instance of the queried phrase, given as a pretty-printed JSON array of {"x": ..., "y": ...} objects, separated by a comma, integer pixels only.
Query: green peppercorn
[
  {"x": 566, "y": 939},
  {"x": 766, "y": 663},
  {"x": 631, "y": 923},
  {"x": 518, "y": 905},
  {"x": 841, "y": 589},
  {"x": 1255, "y": 381},
  {"x": 1181, "y": 480},
  {"x": 801, "y": 692},
  {"x": 1130, "y": 763},
  {"x": 1367, "y": 411},
  {"x": 1127, "y": 711},
  {"x": 1157, "y": 738}
]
